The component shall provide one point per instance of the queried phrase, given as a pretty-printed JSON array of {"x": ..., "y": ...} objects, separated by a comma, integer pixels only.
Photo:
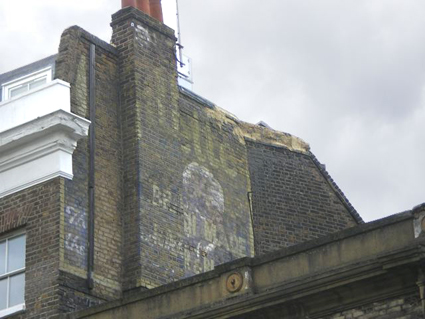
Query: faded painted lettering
[{"x": 75, "y": 240}]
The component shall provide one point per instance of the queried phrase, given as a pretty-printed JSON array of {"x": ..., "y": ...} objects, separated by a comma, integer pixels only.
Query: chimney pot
[
  {"x": 150, "y": 7},
  {"x": 128, "y": 3},
  {"x": 156, "y": 9},
  {"x": 143, "y": 5}
]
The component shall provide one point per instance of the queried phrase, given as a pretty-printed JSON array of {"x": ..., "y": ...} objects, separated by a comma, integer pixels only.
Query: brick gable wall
[
  {"x": 72, "y": 65},
  {"x": 292, "y": 201}
]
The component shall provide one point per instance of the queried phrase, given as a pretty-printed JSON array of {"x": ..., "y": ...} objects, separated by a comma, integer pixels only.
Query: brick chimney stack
[
  {"x": 150, "y": 7},
  {"x": 149, "y": 105}
]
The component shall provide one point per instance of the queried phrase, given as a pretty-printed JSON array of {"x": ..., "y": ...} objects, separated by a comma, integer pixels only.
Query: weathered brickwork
[
  {"x": 404, "y": 307},
  {"x": 180, "y": 185},
  {"x": 178, "y": 164},
  {"x": 36, "y": 211},
  {"x": 215, "y": 186},
  {"x": 73, "y": 67},
  {"x": 292, "y": 201},
  {"x": 184, "y": 202},
  {"x": 74, "y": 294},
  {"x": 150, "y": 136},
  {"x": 401, "y": 307}
]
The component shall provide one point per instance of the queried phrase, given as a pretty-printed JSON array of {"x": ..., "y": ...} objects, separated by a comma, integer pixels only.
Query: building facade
[{"x": 116, "y": 181}]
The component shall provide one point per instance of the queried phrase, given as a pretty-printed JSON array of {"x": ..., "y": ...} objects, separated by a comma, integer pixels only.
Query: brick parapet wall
[
  {"x": 292, "y": 200},
  {"x": 73, "y": 67}
]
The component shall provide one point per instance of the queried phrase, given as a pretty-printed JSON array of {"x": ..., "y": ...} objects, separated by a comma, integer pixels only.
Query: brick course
[
  {"x": 172, "y": 179},
  {"x": 172, "y": 148},
  {"x": 73, "y": 66},
  {"x": 401, "y": 307},
  {"x": 292, "y": 200},
  {"x": 36, "y": 210}
]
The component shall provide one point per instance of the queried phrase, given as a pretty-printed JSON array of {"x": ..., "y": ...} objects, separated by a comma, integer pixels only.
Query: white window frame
[
  {"x": 26, "y": 79},
  {"x": 16, "y": 308}
]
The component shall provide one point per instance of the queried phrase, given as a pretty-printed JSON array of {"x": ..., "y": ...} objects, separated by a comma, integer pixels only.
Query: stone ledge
[{"x": 282, "y": 282}]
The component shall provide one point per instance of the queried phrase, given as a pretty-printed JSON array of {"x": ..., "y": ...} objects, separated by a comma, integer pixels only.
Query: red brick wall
[{"x": 36, "y": 210}]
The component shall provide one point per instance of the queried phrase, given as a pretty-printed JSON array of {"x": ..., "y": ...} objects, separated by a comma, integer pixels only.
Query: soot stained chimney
[{"x": 151, "y": 7}]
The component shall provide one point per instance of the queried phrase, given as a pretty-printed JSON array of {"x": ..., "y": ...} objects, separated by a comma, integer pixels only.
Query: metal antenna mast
[{"x": 179, "y": 37}]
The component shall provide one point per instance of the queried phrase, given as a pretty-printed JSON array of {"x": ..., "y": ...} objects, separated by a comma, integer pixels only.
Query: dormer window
[{"x": 24, "y": 84}]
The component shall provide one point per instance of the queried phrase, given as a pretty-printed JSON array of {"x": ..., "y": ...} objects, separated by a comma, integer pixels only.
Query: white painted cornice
[
  {"x": 35, "y": 148},
  {"x": 43, "y": 100}
]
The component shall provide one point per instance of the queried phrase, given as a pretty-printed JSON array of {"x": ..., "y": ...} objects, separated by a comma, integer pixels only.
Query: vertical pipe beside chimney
[
  {"x": 156, "y": 9},
  {"x": 92, "y": 150}
]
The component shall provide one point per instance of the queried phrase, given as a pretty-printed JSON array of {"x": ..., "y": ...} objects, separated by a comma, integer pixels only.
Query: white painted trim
[
  {"x": 35, "y": 103},
  {"x": 33, "y": 154},
  {"x": 10, "y": 310},
  {"x": 39, "y": 150},
  {"x": 10, "y": 274},
  {"x": 15, "y": 272},
  {"x": 26, "y": 157},
  {"x": 44, "y": 125},
  {"x": 35, "y": 182}
]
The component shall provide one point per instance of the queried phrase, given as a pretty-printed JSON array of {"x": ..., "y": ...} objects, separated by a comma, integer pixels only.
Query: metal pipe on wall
[{"x": 92, "y": 148}]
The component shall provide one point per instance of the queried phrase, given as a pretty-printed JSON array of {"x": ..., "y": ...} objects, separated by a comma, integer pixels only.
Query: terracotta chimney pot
[
  {"x": 156, "y": 9},
  {"x": 151, "y": 7},
  {"x": 128, "y": 3},
  {"x": 143, "y": 5}
]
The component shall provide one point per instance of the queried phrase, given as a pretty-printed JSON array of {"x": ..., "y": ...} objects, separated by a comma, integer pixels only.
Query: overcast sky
[{"x": 348, "y": 77}]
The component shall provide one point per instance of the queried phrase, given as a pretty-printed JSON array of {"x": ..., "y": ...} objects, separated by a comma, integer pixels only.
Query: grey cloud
[{"x": 346, "y": 76}]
